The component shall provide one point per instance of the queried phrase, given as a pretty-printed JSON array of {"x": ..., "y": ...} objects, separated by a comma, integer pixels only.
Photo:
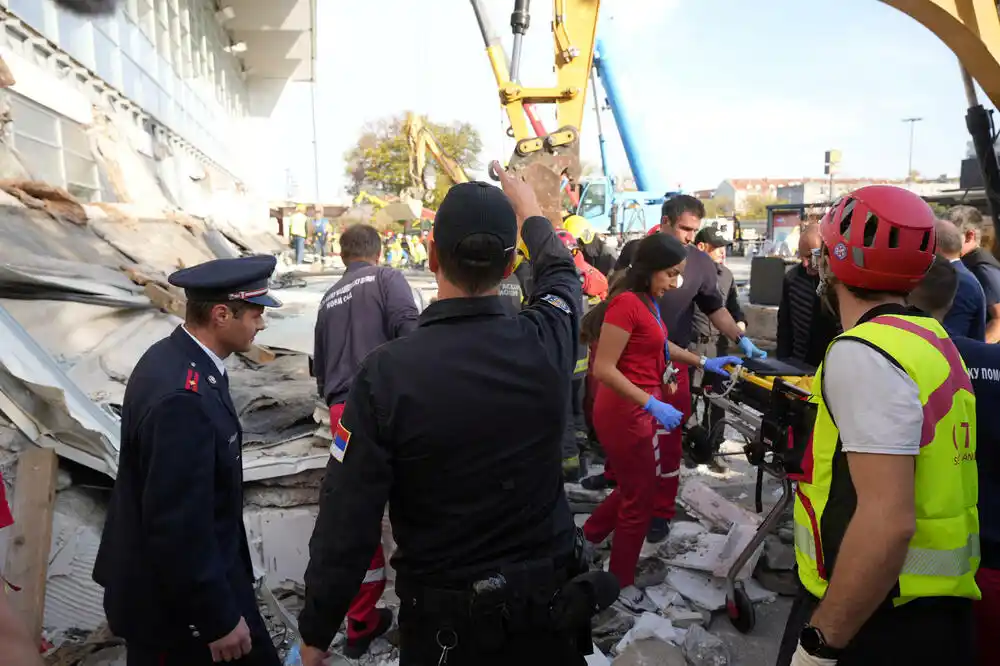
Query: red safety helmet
[
  {"x": 567, "y": 238},
  {"x": 880, "y": 238}
]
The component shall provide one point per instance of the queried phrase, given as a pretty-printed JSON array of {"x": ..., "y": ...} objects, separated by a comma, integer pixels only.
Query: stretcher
[{"x": 767, "y": 403}]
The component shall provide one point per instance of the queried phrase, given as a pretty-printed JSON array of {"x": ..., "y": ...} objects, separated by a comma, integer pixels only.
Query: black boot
[{"x": 659, "y": 529}]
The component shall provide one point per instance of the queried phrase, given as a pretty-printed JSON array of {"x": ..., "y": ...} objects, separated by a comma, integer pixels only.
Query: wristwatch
[
  {"x": 702, "y": 362},
  {"x": 814, "y": 643}
]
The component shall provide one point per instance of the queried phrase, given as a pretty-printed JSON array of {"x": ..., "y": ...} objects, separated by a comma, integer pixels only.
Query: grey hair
[
  {"x": 967, "y": 219},
  {"x": 949, "y": 238}
]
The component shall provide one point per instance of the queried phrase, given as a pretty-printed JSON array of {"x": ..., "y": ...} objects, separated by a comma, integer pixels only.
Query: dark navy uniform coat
[{"x": 174, "y": 560}]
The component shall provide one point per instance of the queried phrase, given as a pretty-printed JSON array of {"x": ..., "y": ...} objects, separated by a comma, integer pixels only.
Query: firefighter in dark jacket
[
  {"x": 458, "y": 426},
  {"x": 173, "y": 560}
]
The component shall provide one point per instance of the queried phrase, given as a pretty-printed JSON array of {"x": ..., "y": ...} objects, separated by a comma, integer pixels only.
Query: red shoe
[{"x": 356, "y": 648}]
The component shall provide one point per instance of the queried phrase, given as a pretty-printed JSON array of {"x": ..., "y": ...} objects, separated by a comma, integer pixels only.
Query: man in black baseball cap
[
  {"x": 460, "y": 424},
  {"x": 706, "y": 339},
  {"x": 474, "y": 242}
]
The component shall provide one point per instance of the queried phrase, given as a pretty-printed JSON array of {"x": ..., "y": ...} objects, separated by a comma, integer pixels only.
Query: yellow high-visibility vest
[
  {"x": 297, "y": 225},
  {"x": 943, "y": 554}
]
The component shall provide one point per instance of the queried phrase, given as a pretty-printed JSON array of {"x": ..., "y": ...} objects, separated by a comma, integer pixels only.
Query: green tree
[
  {"x": 380, "y": 161},
  {"x": 756, "y": 207},
  {"x": 718, "y": 207}
]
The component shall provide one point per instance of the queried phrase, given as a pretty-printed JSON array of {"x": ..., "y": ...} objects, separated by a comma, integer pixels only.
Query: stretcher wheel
[
  {"x": 491, "y": 170},
  {"x": 740, "y": 610}
]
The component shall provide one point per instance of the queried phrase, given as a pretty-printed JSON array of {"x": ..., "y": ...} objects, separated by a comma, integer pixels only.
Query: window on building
[
  {"x": 82, "y": 178},
  {"x": 31, "y": 12}
]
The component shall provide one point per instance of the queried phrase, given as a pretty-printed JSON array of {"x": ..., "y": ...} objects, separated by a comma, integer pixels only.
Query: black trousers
[
  {"x": 925, "y": 632},
  {"x": 422, "y": 638},
  {"x": 701, "y": 379},
  {"x": 262, "y": 652},
  {"x": 576, "y": 424}
]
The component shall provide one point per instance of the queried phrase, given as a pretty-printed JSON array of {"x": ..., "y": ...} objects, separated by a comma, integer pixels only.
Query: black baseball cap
[
  {"x": 711, "y": 236},
  {"x": 475, "y": 208}
]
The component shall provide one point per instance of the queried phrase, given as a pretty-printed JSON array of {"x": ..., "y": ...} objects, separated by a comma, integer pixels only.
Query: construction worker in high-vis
[{"x": 886, "y": 524}]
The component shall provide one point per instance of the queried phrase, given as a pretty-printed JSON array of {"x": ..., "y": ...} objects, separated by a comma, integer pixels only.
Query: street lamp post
[{"x": 909, "y": 169}]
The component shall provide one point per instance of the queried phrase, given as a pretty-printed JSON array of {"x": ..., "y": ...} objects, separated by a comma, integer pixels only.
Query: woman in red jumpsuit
[{"x": 631, "y": 367}]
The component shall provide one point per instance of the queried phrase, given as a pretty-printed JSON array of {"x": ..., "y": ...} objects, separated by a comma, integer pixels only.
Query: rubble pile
[{"x": 684, "y": 576}]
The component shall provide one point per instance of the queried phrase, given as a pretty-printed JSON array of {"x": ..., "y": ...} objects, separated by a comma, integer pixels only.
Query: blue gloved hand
[
  {"x": 716, "y": 364},
  {"x": 668, "y": 416},
  {"x": 749, "y": 349}
]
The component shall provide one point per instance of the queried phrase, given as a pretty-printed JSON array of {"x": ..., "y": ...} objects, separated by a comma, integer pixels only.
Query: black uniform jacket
[
  {"x": 458, "y": 426},
  {"x": 173, "y": 560}
]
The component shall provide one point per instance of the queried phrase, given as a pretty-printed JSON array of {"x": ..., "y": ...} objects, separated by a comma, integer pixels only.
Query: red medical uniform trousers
[
  {"x": 988, "y": 617},
  {"x": 627, "y": 434},
  {"x": 362, "y": 616},
  {"x": 669, "y": 448}
]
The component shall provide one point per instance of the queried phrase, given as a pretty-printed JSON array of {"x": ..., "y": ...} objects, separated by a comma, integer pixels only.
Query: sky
[{"x": 720, "y": 88}]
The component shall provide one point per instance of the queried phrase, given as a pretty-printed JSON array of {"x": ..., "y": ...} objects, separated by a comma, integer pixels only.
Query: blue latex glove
[
  {"x": 293, "y": 658},
  {"x": 668, "y": 416},
  {"x": 716, "y": 364},
  {"x": 749, "y": 349}
]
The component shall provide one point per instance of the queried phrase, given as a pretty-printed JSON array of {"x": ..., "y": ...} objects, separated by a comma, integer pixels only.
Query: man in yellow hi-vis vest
[
  {"x": 886, "y": 525},
  {"x": 297, "y": 232}
]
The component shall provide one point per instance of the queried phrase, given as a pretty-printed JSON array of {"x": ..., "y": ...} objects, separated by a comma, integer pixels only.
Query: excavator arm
[
  {"x": 971, "y": 29},
  {"x": 546, "y": 160},
  {"x": 363, "y": 196},
  {"x": 422, "y": 141}
]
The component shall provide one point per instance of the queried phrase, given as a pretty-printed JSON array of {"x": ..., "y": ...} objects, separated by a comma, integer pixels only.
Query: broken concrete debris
[
  {"x": 703, "y": 649},
  {"x": 650, "y": 652}
]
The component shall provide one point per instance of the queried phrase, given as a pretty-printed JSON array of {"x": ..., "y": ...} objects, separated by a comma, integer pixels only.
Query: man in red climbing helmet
[{"x": 886, "y": 525}]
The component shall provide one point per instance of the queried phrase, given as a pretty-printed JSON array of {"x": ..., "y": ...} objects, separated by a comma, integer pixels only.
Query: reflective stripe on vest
[
  {"x": 943, "y": 553},
  {"x": 582, "y": 365}
]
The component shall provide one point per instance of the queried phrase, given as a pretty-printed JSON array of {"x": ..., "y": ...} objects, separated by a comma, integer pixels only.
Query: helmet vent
[
  {"x": 871, "y": 228},
  {"x": 925, "y": 242},
  {"x": 894, "y": 237},
  {"x": 845, "y": 220}
]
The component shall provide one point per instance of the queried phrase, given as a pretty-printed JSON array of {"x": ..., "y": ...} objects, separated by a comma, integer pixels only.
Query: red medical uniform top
[
  {"x": 643, "y": 360},
  {"x": 6, "y": 518}
]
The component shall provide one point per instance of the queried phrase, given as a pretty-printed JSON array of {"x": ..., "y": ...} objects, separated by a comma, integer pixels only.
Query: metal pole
[
  {"x": 520, "y": 19},
  {"x": 909, "y": 170},
  {"x": 312, "y": 104}
]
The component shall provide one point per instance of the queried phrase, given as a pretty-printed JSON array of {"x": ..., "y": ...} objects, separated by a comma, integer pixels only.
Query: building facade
[
  {"x": 179, "y": 100},
  {"x": 818, "y": 190}
]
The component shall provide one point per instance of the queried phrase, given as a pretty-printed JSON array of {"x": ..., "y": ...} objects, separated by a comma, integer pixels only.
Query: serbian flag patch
[{"x": 341, "y": 438}]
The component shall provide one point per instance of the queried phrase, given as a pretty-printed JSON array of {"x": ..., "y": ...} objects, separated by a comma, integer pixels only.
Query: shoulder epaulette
[{"x": 191, "y": 383}]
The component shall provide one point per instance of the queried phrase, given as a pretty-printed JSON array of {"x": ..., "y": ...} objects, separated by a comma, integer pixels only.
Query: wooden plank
[
  {"x": 259, "y": 354},
  {"x": 164, "y": 300},
  {"x": 31, "y": 534}
]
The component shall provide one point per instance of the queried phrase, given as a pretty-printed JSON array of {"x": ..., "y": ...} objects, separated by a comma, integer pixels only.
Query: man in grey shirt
[{"x": 367, "y": 307}]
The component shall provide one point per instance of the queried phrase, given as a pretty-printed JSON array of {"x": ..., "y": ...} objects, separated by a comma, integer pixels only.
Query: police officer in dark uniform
[
  {"x": 458, "y": 427},
  {"x": 174, "y": 561}
]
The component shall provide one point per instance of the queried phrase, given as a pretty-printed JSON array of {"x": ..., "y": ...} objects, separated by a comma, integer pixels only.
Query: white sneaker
[{"x": 634, "y": 600}]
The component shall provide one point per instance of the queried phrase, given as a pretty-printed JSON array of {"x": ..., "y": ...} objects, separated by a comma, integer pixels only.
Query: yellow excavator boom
[
  {"x": 970, "y": 28},
  {"x": 422, "y": 141}
]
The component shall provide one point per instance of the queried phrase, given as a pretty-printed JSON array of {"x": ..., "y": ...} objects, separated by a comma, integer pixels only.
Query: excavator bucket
[{"x": 544, "y": 168}]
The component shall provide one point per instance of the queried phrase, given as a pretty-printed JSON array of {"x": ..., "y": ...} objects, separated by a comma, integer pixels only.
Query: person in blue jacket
[
  {"x": 967, "y": 315},
  {"x": 934, "y": 296}
]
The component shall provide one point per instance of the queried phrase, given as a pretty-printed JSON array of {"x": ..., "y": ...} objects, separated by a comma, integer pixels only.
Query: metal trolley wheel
[{"x": 740, "y": 610}]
